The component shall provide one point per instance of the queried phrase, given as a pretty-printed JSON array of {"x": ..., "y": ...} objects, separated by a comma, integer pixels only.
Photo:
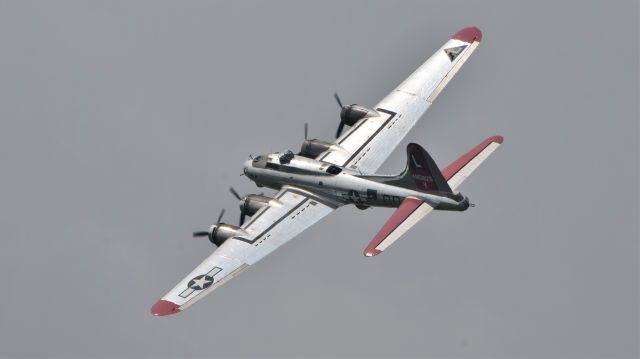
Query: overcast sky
[{"x": 123, "y": 123}]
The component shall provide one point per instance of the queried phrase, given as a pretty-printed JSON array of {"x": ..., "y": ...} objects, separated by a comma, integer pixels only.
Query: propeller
[
  {"x": 341, "y": 125},
  {"x": 335, "y": 95},
  {"x": 242, "y": 214},
  {"x": 306, "y": 130},
  {"x": 234, "y": 193},
  {"x": 207, "y": 234}
]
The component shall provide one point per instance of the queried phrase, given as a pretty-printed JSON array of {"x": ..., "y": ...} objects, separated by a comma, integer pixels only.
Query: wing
[
  {"x": 294, "y": 211},
  {"x": 371, "y": 140}
]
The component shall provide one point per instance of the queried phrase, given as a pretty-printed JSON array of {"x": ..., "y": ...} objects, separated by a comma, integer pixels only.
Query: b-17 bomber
[{"x": 325, "y": 175}]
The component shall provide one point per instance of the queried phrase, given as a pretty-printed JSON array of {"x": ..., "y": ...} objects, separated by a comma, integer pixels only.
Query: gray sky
[{"x": 123, "y": 123}]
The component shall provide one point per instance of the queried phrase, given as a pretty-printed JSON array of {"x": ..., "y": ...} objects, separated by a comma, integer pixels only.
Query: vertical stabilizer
[
  {"x": 421, "y": 173},
  {"x": 423, "y": 170}
]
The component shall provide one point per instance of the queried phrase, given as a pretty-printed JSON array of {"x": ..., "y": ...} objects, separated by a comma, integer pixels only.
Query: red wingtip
[
  {"x": 497, "y": 139},
  {"x": 164, "y": 307},
  {"x": 469, "y": 34},
  {"x": 371, "y": 252}
]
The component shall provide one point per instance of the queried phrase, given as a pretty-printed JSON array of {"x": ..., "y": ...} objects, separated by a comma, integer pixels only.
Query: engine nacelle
[
  {"x": 219, "y": 233},
  {"x": 251, "y": 203},
  {"x": 354, "y": 113},
  {"x": 313, "y": 148}
]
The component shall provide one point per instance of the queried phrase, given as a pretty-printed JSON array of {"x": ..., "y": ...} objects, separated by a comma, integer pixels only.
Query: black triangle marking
[{"x": 453, "y": 52}]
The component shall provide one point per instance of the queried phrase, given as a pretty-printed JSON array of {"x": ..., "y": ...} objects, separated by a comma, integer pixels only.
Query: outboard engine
[
  {"x": 350, "y": 115},
  {"x": 354, "y": 113},
  {"x": 219, "y": 233}
]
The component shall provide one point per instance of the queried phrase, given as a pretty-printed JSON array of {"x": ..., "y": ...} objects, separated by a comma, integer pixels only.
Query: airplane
[{"x": 324, "y": 176}]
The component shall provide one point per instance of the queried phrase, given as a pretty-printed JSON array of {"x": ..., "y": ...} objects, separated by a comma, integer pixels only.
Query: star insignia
[{"x": 200, "y": 282}]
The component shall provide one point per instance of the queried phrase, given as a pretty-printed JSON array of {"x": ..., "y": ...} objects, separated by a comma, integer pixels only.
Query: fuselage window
[{"x": 334, "y": 170}]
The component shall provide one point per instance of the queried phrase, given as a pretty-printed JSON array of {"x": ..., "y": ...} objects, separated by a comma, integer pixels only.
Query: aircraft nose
[{"x": 164, "y": 307}]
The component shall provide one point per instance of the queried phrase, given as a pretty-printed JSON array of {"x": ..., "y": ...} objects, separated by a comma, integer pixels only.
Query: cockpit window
[
  {"x": 260, "y": 162},
  {"x": 286, "y": 157},
  {"x": 333, "y": 170}
]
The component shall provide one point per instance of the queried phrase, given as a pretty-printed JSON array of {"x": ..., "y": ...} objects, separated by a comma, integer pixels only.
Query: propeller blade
[
  {"x": 220, "y": 216},
  {"x": 340, "y": 127},
  {"x": 306, "y": 130},
  {"x": 235, "y": 194},
  {"x": 241, "y": 218},
  {"x": 335, "y": 95},
  {"x": 200, "y": 234}
]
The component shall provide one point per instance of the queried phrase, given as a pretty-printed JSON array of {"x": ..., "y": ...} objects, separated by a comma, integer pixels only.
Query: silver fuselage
[{"x": 346, "y": 187}]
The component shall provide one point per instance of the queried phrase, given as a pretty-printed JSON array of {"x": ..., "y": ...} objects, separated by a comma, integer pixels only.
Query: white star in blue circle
[{"x": 200, "y": 282}]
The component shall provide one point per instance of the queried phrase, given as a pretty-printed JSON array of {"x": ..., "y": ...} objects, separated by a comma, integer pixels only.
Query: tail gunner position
[{"x": 326, "y": 175}]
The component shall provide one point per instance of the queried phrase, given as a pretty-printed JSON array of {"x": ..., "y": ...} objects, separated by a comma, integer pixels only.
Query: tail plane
[{"x": 423, "y": 175}]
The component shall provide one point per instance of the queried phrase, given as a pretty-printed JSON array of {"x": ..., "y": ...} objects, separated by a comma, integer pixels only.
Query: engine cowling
[
  {"x": 219, "y": 233},
  {"x": 252, "y": 203},
  {"x": 354, "y": 113},
  {"x": 313, "y": 148}
]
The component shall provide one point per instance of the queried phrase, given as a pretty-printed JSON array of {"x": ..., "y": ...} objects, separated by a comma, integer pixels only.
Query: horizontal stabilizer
[
  {"x": 461, "y": 168},
  {"x": 411, "y": 210}
]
